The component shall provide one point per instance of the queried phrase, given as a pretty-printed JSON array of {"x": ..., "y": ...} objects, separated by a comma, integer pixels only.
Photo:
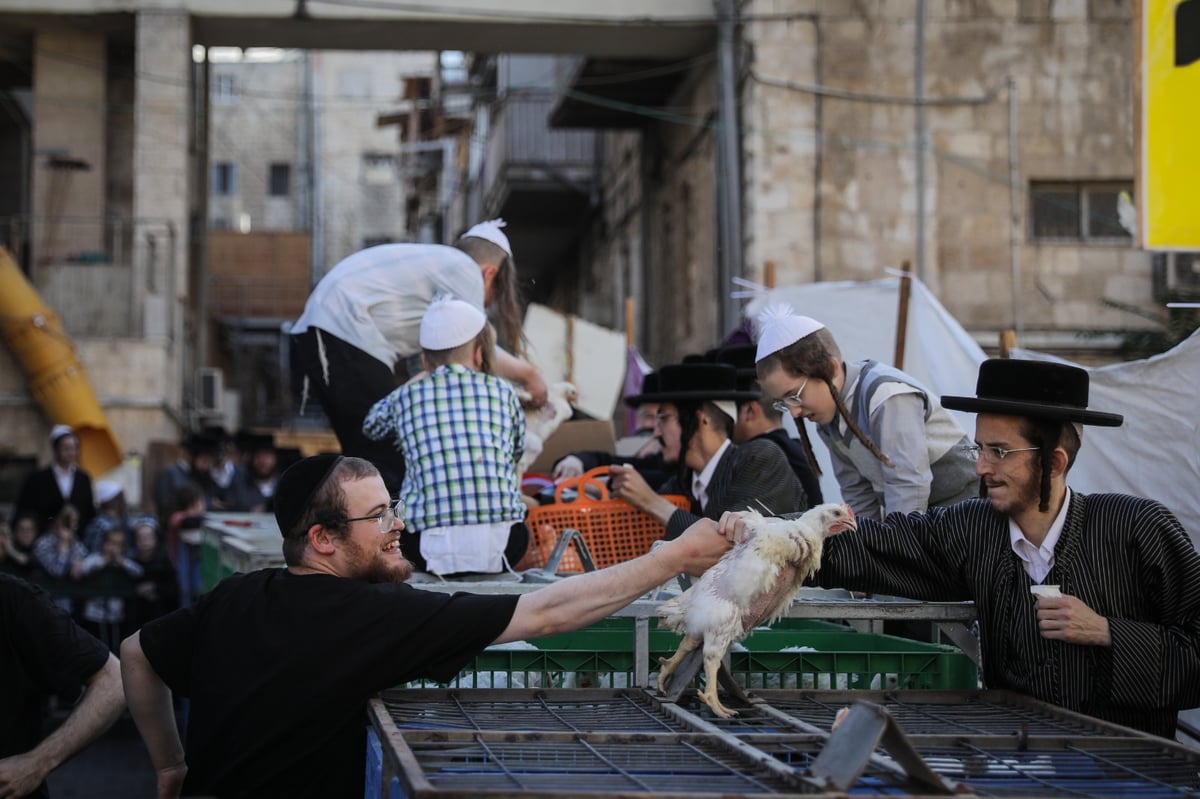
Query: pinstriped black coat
[
  {"x": 1128, "y": 558},
  {"x": 747, "y": 474}
]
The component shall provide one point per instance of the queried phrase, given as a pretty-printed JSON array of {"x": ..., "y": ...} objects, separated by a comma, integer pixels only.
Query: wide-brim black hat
[
  {"x": 696, "y": 382},
  {"x": 649, "y": 384},
  {"x": 1037, "y": 389},
  {"x": 741, "y": 357}
]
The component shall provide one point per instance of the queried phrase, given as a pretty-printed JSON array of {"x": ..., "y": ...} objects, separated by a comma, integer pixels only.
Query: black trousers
[{"x": 356, "y": 382}]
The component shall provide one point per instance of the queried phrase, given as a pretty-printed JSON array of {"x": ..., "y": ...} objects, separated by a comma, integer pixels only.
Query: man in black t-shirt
[
  {"x": 279, "y": 663},
  {"x": 43, "y": 653}
]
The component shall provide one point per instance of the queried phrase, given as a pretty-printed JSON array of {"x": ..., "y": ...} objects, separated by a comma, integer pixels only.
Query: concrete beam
[{"x": 616, "y": 28}]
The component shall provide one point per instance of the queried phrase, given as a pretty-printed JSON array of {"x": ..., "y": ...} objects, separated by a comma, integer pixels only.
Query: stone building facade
[{"x": 831, "y": 178}]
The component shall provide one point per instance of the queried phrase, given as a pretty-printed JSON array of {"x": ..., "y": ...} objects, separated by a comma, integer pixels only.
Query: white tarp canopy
[{"x": 1155, "y": 454}]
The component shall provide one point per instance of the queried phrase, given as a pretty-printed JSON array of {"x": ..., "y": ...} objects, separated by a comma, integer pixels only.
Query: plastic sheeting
[{"x": 1155, "y": 454}]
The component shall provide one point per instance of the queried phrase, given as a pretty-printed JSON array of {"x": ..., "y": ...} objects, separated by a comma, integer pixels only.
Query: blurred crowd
[{"x": 114, "y": 566}]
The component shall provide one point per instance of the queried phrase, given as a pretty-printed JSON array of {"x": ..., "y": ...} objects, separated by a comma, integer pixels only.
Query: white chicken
[
  {"x": 540, "y": 423},
  {"x": 752, "y": 584}
]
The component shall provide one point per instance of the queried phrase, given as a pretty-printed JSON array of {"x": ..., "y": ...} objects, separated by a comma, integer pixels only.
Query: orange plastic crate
[{"x": 613, "y": 530}]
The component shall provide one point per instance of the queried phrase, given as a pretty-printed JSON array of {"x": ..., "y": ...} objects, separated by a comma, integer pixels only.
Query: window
[
  {"x": 1087, "y": 211},
  {"x": 224, "y": 179},
  {"x": 224, "y": 88},
  {"x": 377, "y": 169},
  {"x": 281, "y": 180}
]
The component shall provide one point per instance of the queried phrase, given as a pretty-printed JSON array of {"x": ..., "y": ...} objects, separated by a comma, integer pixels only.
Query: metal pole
[
  {"x": 729, "y": 178},
  {"x": 1014, "y": 200},
  {"x": 919, "y": 73},
  {"x": 316, "y": 229}
]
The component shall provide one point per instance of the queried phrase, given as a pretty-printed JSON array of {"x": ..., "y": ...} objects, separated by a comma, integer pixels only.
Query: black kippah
[{"x": 296, "y": 487}]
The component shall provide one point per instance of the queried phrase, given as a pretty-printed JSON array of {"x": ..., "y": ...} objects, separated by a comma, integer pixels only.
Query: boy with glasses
[{"x": 894, "y": 448}]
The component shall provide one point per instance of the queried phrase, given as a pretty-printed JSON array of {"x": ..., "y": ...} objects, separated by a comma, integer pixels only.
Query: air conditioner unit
[
  {"x": 210, "y": 390},
  {"x": 1175, "y": 273}
]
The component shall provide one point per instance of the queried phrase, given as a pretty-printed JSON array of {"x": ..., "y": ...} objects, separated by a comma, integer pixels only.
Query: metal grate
[
  {"x": 479, "y": 764},
  {"x": 454, "y": 744},
  {"x": 1066, "y": 768},
  {"x": 940, "y": 712},
  {"x": 558, "y": 710}
]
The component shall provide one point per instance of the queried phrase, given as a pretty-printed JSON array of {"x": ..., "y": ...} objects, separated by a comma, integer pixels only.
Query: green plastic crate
[{"x": 795, "y": 653}]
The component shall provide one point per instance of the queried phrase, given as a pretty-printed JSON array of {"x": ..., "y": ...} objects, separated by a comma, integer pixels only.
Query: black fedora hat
[
  {"x": 1037, "y": 389},
  {"x": 649, "y": 385},
  {"x": 697, "y": 382},
  {"x": 741, "y": 357}
]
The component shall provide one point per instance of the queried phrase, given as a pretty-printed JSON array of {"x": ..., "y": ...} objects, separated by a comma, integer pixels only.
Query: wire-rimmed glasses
[
  {"x": 992, "y": 454},
  {"x": 791, "y": 401},
  {"x": 387, "y": 518}
]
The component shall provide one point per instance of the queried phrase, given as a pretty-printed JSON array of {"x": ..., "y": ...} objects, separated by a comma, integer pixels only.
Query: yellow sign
[{"x": 1170, "y": 190}]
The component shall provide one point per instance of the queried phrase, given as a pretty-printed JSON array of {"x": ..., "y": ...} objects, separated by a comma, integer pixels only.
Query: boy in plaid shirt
[{"x": 462, "y": 431}]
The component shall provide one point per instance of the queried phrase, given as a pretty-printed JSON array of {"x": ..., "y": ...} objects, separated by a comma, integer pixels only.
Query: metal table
[{"x": 953, "y": 618}]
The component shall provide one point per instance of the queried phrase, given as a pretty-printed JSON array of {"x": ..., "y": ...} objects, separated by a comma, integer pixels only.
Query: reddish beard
[{"x": 375, "y": 567}]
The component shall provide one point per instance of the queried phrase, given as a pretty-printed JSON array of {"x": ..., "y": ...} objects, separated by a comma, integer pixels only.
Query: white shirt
[
  {"x": 65, "y": 479},
  {"x": 375, "y": 298},
  {"x": 700, "y": 481},
  {"x": 1038, "y": 561}
]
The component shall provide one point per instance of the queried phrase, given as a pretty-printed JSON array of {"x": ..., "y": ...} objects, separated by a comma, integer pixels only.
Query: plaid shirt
[{"x": 462, "y": 433}]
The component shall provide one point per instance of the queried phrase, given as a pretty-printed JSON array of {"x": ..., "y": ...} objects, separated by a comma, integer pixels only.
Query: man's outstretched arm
[
  {"x": 102, "y": 702},
  {"x": 150, "y": 705}
]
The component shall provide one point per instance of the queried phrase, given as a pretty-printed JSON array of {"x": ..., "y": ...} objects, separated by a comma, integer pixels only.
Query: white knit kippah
[
  {"x": 60, "y": 430},
  {"x": 450, "y": 322},
  {"x": 107, "y": 491},
  {"x": 490, "y": 230},
  {"x": 780, "y": 326}
]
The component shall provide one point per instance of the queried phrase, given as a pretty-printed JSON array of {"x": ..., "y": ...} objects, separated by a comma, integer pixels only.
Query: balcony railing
[{"x": 524, "y": 149}]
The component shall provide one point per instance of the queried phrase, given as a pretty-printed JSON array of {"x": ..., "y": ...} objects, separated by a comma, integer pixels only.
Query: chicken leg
[
  {"x": 714, "y": 650},
  {"x": 670, "y": 664}
]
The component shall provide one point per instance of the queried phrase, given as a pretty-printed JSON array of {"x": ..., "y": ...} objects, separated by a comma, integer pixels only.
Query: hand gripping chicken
[{"x": 753, "y": 583}]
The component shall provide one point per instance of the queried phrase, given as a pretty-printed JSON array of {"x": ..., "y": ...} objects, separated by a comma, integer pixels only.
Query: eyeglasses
[
  {"x": 663, "y": 418},
  {"x": 386, "y": 520},
  {"x": 992, "y": 454},
  {"x": 792, "y": 400}
]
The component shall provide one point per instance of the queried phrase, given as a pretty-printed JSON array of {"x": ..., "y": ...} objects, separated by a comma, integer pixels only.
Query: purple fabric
[
  {"x": 636, "y": 370},
  {"x": 742, "y": 334}
]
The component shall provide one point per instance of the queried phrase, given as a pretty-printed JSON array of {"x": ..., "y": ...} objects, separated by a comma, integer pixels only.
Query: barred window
[{"x": 1085, "y": 211}]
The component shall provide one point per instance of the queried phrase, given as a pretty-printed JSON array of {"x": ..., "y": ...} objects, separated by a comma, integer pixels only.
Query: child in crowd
[
  {"x": 894, "y": 448},
  {"x": 103, "y": 615},
  {"x": 157, "y": 592},
  {"x": 111, "y": 513},
  {"x": 59, "y": 552},
  {"x": 462, "y": 431},
  {"x": 16, "y": 548}
]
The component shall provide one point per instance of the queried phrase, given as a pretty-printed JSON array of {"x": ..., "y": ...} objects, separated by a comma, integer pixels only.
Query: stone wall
[{"x": 1072, "y": 67}]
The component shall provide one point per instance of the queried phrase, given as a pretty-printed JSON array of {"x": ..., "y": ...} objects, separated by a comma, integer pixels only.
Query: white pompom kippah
[
  {"x": 780, "y": 326},
  {"x": 450, "y": 323},
  {"x": 490, "y": 230},
  {"x": 60, "y": 430}
]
